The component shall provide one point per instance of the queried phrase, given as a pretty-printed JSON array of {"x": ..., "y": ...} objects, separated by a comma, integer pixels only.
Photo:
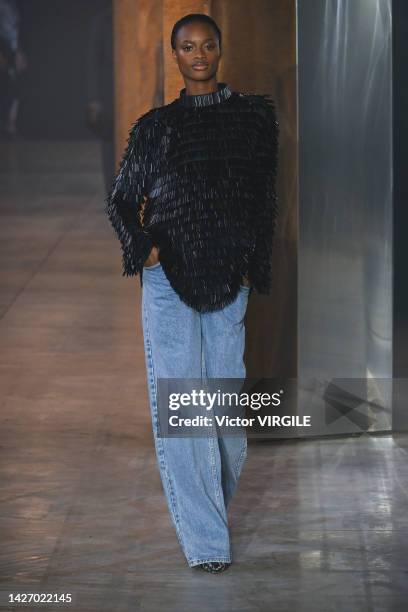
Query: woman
[{"x": 201, "y": 242}]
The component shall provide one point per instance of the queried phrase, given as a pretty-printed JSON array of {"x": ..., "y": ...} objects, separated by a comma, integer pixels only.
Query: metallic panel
[{"x": 345, "y": 205}]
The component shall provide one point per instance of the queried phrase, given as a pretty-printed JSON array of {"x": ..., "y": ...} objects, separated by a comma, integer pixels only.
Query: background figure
[
  {"x": 12, "y": 63},
  {"x": 100, "y": 88}
]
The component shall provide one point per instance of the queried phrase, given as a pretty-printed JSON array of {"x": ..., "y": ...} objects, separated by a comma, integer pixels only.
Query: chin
[{"x": 198, "y": 76}]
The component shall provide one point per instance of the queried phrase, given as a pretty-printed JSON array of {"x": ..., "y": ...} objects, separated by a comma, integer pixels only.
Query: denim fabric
[{"x": 199, "y": 474}]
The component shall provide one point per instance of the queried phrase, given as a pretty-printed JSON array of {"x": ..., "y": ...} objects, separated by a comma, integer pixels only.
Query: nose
[{"x": 200, "y": 57}]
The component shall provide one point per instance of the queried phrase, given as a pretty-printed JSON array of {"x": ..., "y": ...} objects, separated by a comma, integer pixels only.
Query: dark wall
[
  {"x": 400, "y": 99},
  {"x": 400, "y": 254},
  {"x": 54, "y": 35}
]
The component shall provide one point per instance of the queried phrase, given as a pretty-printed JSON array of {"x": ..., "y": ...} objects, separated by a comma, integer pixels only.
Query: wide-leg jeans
[{"x": 199, "y": 474}]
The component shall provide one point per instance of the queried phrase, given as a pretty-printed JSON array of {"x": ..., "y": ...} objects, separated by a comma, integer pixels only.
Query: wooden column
[
  {"x": 259, "y": 56},
  {"x": 138, "y": 62}
]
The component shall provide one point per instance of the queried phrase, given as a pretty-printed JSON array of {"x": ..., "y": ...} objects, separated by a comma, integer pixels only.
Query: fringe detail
[
  {"x": 125, "y": 202},
  {"x": 266, "y": 202},
  {"x": 209, "y": 176}
]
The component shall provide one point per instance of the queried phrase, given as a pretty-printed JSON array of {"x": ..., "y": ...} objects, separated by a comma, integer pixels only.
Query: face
[{"x": 197, "y": 51}]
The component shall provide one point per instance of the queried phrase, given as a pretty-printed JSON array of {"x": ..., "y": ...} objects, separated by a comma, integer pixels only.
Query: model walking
[{"x": 194, "y": 206}]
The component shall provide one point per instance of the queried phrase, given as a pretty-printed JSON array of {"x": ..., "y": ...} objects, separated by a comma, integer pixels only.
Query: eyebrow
[{"x": 192, "y": 41}]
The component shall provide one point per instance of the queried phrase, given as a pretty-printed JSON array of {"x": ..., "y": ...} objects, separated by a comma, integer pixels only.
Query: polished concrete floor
[{"x": 317, "y": 525}]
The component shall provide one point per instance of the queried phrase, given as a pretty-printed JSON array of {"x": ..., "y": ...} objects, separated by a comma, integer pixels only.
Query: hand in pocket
[{"x": 153, "y": 258}]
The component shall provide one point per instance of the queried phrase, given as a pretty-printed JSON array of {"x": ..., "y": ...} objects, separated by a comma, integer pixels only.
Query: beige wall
[{"x": 259, "y": 55}]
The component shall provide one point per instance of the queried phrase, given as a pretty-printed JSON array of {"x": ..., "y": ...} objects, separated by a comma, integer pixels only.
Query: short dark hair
[{"x": 194, "y": 18}]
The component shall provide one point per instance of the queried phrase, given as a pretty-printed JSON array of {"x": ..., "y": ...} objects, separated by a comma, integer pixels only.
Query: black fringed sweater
[{"x": 197, "y": 180}]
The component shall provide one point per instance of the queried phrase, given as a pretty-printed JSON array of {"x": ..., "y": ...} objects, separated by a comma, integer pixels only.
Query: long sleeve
[
  {"x": 266, "y": 205},
  {"x": 124, "y": 203}
]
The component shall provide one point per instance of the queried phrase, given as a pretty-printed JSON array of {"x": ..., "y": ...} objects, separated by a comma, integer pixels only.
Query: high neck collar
[{"x": 207, "y": 99}]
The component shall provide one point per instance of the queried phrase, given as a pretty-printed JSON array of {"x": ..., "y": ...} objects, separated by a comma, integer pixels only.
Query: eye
[{"x": 187, "y": 48}]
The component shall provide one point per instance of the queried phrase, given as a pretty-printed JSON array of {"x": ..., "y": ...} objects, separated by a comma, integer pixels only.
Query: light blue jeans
[{"x": 199, "y": 474}]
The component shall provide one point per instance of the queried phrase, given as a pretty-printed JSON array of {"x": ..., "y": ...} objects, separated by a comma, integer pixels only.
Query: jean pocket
[{"x": 235, "y": 311}]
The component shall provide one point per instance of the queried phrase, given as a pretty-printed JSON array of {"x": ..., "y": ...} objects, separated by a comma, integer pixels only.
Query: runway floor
[{"x": 317, "y": 525}]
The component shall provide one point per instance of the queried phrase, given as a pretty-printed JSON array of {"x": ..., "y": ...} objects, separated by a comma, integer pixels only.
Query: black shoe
[{"x": 214, "y": 567}]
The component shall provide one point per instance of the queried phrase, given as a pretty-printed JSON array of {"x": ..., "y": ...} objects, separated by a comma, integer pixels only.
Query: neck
[{"x": 198, "y": 88}]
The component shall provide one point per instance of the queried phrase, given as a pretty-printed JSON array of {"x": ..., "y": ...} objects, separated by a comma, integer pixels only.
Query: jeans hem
[{"x": 213, "y": 559}]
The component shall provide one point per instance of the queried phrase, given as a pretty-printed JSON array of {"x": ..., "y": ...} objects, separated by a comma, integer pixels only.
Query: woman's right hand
[{"x": 153, "y": 258}]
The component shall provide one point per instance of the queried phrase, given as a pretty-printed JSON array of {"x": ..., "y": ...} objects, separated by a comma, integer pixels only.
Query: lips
[{"x": 200, "y": 66}]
